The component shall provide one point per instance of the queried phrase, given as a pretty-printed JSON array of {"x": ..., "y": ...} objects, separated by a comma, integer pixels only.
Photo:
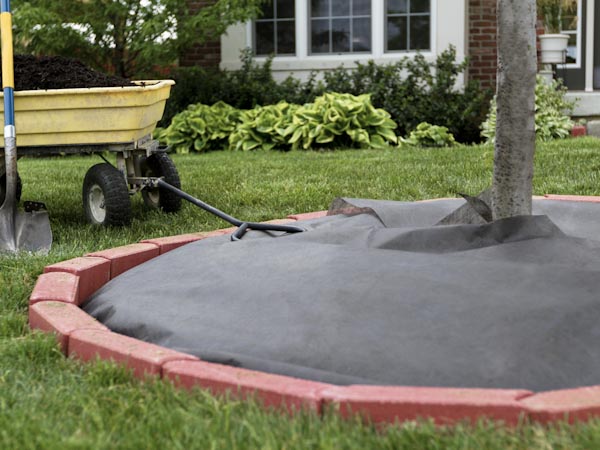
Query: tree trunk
[{"x": 515, "y": 126}]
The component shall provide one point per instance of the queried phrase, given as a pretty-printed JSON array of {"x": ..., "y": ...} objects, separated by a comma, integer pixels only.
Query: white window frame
[
  {"x": 331, "y": 60},
  {"x": 579, "y": 33}
]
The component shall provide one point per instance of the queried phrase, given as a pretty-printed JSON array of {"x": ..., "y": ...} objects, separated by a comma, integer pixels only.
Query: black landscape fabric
[{"x": 383, "y": 297}]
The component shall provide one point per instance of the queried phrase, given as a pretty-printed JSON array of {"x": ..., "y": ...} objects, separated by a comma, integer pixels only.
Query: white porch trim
[{"x": 589, "y": 51}]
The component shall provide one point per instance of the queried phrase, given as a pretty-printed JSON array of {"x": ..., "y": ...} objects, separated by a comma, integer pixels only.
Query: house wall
[
  {"x": 449, "y": 21},
  {"x": 482, "y": 42},
  {"x": 206, "y": 55},
  {"x": 479, "y": 42}
]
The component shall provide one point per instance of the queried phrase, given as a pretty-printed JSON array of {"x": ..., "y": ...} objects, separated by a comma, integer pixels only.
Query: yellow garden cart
[{"x": 117, "y": 120}]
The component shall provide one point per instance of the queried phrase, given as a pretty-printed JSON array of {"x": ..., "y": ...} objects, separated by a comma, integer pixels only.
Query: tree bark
[{"x": 515, "y": 126}]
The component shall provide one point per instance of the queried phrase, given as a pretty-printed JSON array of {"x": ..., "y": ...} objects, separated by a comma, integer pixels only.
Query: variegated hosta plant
[
  {"x": 340, "y": 120},
  {"x": 333, "y": 120},
  {"x": 263, "y": 127},
  {"x": 201, "y": 128}
]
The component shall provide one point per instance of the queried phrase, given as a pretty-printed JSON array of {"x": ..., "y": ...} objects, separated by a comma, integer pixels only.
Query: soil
[{"x": 57, "y": 72}]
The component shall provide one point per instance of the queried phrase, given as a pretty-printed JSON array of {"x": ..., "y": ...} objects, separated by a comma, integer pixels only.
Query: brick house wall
[
  {"x": 205, "y": 55},
  {"x": 482, "y": 42}
]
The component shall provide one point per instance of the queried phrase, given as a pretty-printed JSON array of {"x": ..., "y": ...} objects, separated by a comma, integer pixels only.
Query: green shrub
[
  {"x": 340, "y": 120},
  {"x": 201, "y": 128},
  {"x": 263, "y": 127},
  {"x": 552, "y": 113},
  {"x": 427, "y": 135},
  {"x": 246, "y": 88},
  {"x": 193, "y": 85},
  {"x": 414, "y": 90}
]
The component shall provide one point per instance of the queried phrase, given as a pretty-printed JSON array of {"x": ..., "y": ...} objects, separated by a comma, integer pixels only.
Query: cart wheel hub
[
  {"x": 153, "y": 195},
  {"x": 97, "y": 203}
]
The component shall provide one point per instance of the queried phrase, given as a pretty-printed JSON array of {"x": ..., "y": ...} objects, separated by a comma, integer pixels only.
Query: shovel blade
[
  {"x": 24, "y": 231},
  {"x": 33, "y": 231}
]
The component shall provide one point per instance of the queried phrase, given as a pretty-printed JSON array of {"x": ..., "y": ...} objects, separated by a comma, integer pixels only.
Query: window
[
  {"x": 572, "y": 26},
  {"x": 408, "y": 25},
  {"x": 303, "y": 33},
  {"x": 340, "y": 26},
  {"x": 275, "y": 30}
]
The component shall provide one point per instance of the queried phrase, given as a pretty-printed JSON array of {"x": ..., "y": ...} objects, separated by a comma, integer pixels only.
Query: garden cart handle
[{"x": 242, "y": 226}]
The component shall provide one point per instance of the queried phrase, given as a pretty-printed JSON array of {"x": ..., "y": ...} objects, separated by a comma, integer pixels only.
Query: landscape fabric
[{"x": 379, "y": 294}]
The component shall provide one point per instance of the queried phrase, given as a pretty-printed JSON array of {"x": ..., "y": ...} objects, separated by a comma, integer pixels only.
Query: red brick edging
[{"x": 54, "y": 308}]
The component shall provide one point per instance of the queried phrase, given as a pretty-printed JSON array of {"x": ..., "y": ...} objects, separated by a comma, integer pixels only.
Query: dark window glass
[
  {"x": 268, "y": 11},
  {"x": 419, "y": 33},
  {"x": 419, "y": 6},
  {"x": 397, "y": 35},
  {"x": 286, "y": 37},
  {"x": 286, "y": 9},
  {"x": 319, "y": 8},
  {"x": 340, "y": 8},
  {"x": 343, "y": 28},
  {"x": 275, "y": 30},
  {"x": 264, "y": 38},
  {"x": 340, "y": 35},
  {"x": 361, "y": 41},
  {"x": 361, "y": 8},
  {"x": 408, "y": 25},
  {"x": 319, "y": 36},
  {"x": 397, "y": 6}
]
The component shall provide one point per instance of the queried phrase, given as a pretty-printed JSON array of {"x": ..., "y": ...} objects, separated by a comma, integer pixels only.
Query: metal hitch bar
[{"x": 243, "y": 227}]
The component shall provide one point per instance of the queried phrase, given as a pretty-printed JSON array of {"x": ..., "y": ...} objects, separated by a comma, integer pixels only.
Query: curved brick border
[{"x": 54, "y": 307}]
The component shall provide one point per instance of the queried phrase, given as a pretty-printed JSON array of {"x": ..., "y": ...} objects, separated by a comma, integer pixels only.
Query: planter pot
[
  {"x": 554, "y": 48},
  {"x": 578, "y": 130},
  {"x": 547, "y": 76}
]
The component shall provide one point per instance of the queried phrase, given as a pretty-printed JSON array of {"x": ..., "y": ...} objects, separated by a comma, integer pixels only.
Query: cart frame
[{"x": 131, "y": 160}]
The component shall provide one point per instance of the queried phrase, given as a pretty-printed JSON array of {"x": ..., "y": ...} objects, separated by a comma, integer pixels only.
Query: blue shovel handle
[{"x": 8, "y": 76}]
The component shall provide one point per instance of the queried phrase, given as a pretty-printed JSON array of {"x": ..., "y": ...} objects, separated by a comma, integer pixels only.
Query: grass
[{"x": 48, "y": 401}]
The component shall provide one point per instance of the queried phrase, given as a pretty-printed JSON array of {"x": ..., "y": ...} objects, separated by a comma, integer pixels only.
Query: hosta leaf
[
  {"x": 296, "y": 136},
  {"x": 377, "y": 141},
  {"x": 250, "y": 145},
  {"x": 387, "y": 134}
]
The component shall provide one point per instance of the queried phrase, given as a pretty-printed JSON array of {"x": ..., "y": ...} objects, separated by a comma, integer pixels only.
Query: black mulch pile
[{"x": 57, "y": 72}]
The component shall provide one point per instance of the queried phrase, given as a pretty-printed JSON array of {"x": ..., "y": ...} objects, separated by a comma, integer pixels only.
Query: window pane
[
  {"x": 340, "y": 8},
  {"x": 419, "y": 6},
  {"x": 267, "y": 10},
  {"x": 286, "y": 37},
  {"x": 397, "y": 37},
  {"x": 319, "y": 36},
  {"x": 397, "y": 6},
  {"x": 572, "y": 49},
  {"x": 285, "y": 9},
  {"x": 361, "y": 7},
  {"x": 340, "y": 35},
  {"x": 361, "y": 39},
  {"x": 265, "y": 38},
  {"x": 319, "y": 8},
  {"x": 419, "y": 33}
]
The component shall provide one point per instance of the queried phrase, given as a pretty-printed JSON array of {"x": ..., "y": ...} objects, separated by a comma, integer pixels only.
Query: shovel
[{"x": 28, "y": 230}]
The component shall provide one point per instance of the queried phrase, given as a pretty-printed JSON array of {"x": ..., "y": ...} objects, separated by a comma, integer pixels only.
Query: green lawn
[{"x": 47, "y": 401}]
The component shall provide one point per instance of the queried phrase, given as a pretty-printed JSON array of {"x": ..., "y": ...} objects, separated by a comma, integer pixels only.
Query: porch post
[{"x": 589, "y": 50}]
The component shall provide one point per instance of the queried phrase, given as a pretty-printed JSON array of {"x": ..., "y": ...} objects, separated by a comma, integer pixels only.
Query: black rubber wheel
[
  {"x": 106, "y": 196},
  {"x": 160, "y": 165},
  {"x": 3, "y": 188}
]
